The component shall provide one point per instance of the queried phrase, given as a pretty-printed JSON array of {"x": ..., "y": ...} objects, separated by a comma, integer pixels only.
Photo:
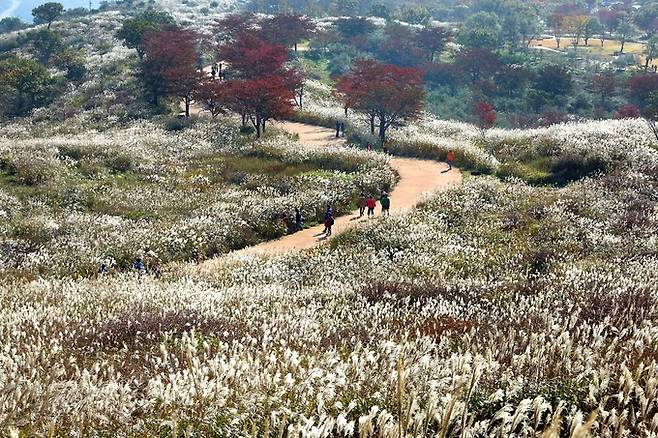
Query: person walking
[
  {"x": 342, "y": 129},
  {"x": 138, "y": 267},
  {"x": 299, "y": 220},
  {"x": 371, "y": 204},
  {"x": 213, "y": 71},
  {"x": 450, "y": 158},
  {"x": 337, "y": 128},
  {"x": 329, "y": 213},
  {"x": 385, "y": 201},
  {"x": 363, "y": 203},
  {"x": 328, "y": 223}
]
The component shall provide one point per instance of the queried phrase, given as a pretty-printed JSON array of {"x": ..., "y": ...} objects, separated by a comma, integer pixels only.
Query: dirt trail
[{"x": 418, "y": 178}]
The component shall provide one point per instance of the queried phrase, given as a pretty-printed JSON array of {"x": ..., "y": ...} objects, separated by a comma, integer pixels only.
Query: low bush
[
  {"x": 572, "y": 167},
  {"x": 247, "y": 130}
]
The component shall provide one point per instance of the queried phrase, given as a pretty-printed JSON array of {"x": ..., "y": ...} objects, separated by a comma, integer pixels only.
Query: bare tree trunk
[
  {"x": 382, "y": 131},
  {"x": 654, "y": 127}
]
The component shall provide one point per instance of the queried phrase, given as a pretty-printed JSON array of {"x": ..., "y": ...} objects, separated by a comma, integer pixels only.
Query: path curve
[{"x": 418, "y": 178}]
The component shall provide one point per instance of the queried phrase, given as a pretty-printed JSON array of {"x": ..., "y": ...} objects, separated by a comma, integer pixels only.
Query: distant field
[{"x": 609, "y": 47}]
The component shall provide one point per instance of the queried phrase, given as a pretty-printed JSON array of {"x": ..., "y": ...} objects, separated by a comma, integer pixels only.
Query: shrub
[
  {"x": 176, "y": 124},
  {"x": 31, "y": 170},
  {"x": 247, "y": 130},
  {"x": 572, "y": 167},
  {"x": 120, "y": 163}
]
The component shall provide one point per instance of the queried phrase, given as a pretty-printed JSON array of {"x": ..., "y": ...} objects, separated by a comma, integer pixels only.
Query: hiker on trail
[
  {"x": 328, "y": 223},
  {"x": 342, "y": 129},
  {"x": 213, "y": 72},
  {"x": 329, "y": 211},
  {"x": 371, "y": 204},
  {"x": 138, "y": 266},
  {"x": 450, "y": 158},
  {"x": 363, "y": 203},
  {"x": 299, "y": 220},
  {"x": 337, "y": 129},
  {"x": 386, "y": 204},
  {"x": 328, "y": 214}
]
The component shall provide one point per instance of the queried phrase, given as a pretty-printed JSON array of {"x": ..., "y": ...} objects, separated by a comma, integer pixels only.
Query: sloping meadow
[
  {"x": 557, "y": 154},
  {"x": 495, "y": 309},
  {"x": 70, "y": 201}
]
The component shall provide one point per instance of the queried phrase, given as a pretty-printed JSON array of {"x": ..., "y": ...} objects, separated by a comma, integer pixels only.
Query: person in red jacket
[
  {"x": 371, "y": 204},
  {"x": 328, "y": 223},
  {"x": 450, "y": 158}
]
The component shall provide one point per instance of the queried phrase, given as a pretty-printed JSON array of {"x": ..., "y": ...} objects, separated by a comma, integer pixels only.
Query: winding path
[{"x": 418, "y": 178}]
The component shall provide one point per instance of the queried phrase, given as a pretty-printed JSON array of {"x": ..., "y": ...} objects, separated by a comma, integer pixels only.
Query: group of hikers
[
  {"x": 145, "y": 263},
  {"x": 216, "y": 71},
  {"x": 340, "y": 129},
  {"x": 367, "y": 205}
]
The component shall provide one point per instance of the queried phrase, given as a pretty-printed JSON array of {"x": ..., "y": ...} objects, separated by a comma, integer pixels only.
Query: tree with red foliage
[
  {"x": 610, "y": 19},
  {"x": 400, "y": 47},
  {"x": 169, "y": 65},
  {"x": 484, "y": 115},
  {"x": 296, "y": 80},
  {"x": 641, "y": 86},
  {"x": 433, "y": 40},
  {"x": 628, "y": 111},
  {"x": 603, "y": 84},
  {"x": 231, "y": 26},
  {"x": 213, "y": 95},
  {"x": 260, "y": 100},
  {"x": 644, "y": 93},
  {"x": 478, "y": 64},
  {"x": 390, "y": 94},
  {"x": 251, "y": 57},
  {"x": 287, "y": 29}
]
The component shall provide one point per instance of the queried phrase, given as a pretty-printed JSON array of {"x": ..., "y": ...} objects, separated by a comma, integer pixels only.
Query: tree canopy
[
  {"x": 47, "y": 13},
  {"x": 134, "y": 30},
  {"x": 24, "y": 85}
]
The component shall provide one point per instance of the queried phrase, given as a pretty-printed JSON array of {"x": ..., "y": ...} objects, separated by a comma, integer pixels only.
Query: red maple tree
[
  {"x": 287, "y": 29},
  {"x": 389, "y": 94},
  {"x": 485, "y": 116},
  {"x": 296, "y": 80},
  {"x": 251, "y": 57},
  {"x": 213, "y": 95},
  {"x": 260, "y": 100},
  {"x": 433, "y": 40},
  {"x": 231, "y": 26},
  {"x": 628, "y": 111},
  {"x": 169, "y": 65}
]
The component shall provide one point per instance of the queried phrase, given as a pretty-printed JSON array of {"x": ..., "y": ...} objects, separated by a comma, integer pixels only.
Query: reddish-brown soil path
[{"x": 418, "y": 178}]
